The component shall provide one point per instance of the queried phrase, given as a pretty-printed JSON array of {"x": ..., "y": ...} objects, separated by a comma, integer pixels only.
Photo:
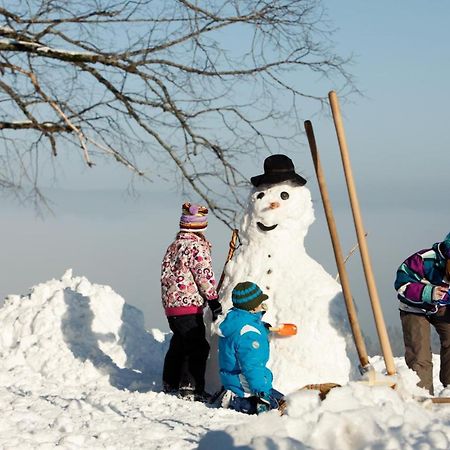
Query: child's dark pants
[{"x": 187, "y": 346}]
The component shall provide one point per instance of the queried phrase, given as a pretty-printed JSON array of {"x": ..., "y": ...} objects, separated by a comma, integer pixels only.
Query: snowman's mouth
[{"x": 263, "y": 227}]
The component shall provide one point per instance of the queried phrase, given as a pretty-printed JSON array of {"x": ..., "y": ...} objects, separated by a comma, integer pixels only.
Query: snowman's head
[{"x": 282, "y": 210}]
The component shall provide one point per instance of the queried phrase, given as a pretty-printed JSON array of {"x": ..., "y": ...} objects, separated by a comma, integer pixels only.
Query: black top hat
[{"x": 277, "y": 169}]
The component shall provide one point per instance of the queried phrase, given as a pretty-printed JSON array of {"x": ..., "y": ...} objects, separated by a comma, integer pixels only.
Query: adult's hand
[{"x": 439, "y": 293}]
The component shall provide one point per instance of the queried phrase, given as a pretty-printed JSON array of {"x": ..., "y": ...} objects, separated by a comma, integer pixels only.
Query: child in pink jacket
[{"x": 187, "y": 285}]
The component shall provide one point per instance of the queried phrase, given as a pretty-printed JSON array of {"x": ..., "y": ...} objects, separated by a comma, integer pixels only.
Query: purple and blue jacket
[{"x": 416, "y": 278}]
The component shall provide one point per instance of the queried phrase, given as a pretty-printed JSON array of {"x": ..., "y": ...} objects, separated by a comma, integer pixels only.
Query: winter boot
[
  {"x": 202, "y": 396},
  {"x": 170, "y": 390},
  {"x": 187, "y": 393}
]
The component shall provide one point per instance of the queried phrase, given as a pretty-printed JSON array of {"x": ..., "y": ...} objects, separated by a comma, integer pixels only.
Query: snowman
[{"x": 272, "y": 254}]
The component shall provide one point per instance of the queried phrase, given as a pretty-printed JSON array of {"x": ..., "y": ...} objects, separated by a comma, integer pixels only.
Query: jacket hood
[
  {"x": 236, "y": 319},
  {"x": 442, "y": 250},
  {"x": 445, "y": 247}
]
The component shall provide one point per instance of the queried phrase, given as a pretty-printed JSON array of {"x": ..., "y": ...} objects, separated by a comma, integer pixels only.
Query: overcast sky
[{"x": 398, "y": 137}]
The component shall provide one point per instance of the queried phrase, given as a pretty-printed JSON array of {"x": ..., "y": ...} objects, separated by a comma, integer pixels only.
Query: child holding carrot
[{"x": 244, "y": 352}]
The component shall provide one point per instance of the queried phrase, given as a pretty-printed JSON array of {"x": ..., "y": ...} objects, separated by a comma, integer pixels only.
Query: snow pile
[
  {"x": 78, "y": 370},
  {"x": 352, "y": 417},
  {"x": 72, "y": 332}
]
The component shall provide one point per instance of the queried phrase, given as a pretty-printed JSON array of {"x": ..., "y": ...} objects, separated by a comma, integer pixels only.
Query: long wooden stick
[
  {"x": 232, "y": 248},
  {"x": 345, "y": 283},
  {"x": 367, "y": 266},
  {"x": 440, "y": 400},
  {"x": 435, "y": 400}
]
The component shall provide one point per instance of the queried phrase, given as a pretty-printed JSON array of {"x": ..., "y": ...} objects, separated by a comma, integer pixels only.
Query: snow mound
[
  {"x": 72, "y": 351},
  {"x": 352, "y": 417},
  {"x": 72, "y": 332}
]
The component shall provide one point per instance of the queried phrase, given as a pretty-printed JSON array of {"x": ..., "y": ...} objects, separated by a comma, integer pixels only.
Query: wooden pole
[
  {"x": 440, "y": 400},
  {"x": 232, "y": 248},
  {"x": 367, "y": 266},
  {"x": 351, "y": 310}
]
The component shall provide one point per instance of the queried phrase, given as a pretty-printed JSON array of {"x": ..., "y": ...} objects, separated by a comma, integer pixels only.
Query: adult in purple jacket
[{"x": 422, "y": 284}]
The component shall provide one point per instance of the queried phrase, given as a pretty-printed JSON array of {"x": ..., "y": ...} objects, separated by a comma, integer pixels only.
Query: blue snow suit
[{"x": 243, "y": 354}]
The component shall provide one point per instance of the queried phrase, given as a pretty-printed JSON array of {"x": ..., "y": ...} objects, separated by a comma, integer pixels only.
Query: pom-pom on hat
[
  {"x": 247, "y": 295},
  {"x": 445, "y": 247},
  {"x": 193, "y": 217}
]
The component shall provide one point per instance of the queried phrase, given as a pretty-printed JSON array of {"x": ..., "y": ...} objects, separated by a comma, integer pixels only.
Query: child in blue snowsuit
[{"x": 244, "y": 352}]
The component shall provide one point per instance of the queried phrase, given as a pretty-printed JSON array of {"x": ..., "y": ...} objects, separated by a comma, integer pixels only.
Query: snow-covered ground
[{"x": 79, "y": 370}]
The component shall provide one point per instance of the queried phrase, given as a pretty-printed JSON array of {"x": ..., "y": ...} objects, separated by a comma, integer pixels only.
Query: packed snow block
[
  {"x": 72, "y": 332},
  {"x": 272, "y": 254}
]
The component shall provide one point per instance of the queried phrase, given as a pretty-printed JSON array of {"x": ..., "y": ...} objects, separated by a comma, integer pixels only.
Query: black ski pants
[{"x": 188, "y": 349}]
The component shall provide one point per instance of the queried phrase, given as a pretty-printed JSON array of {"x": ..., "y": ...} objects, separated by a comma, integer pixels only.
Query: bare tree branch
[
  {"x": 191, "y": 88},
  {"x": 28, "y": 125}
]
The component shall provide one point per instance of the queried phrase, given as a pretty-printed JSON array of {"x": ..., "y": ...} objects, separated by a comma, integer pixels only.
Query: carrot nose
[{"x": 274, "y": 205}]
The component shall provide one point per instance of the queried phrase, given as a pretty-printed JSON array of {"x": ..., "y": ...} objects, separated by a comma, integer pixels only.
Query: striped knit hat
[
  {"x": 193, "y": 217},
  {"x": 247, "y": 295}
]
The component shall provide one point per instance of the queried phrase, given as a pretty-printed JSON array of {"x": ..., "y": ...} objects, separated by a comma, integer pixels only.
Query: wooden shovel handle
[
  {"x": 340, "y": 263},
  {"x": 359, "y": 227}
]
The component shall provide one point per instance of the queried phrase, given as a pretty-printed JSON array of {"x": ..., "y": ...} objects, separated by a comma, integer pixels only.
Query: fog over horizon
[{"x": 119, "y": 240}]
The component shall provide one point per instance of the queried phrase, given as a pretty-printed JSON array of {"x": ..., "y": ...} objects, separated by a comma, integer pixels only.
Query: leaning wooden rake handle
[
  {"x": 364, "y": 252},
  {"x": 231, "y": 250},
  {"x": 343, "y": 276}
]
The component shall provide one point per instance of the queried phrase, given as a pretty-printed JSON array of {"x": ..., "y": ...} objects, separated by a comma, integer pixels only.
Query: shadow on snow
[{"x": 144, "y": 354}]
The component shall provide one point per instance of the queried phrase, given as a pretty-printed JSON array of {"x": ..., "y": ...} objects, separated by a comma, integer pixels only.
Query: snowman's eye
[
  {"x": 260, "y": 195},
  {"x": 284, "y": 195}
]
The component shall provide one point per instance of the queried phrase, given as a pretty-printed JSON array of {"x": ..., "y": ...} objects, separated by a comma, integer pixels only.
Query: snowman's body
[{"x": 272, "y": 254}]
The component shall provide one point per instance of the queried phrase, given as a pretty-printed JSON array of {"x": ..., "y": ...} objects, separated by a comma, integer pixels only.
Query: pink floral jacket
[{"x": 187, "y": 277}]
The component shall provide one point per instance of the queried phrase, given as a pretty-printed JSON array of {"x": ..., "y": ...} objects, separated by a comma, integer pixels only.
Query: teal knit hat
[
  {"x": 445, "y": 247},
  {"x": 247, "y": 295}
]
